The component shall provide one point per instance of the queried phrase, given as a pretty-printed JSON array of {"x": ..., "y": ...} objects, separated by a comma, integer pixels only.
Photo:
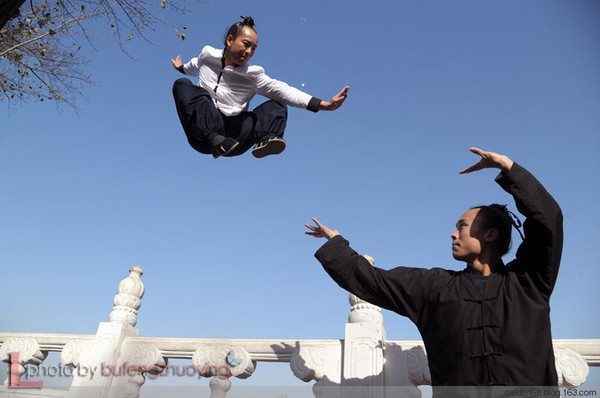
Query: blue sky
[{"x": 221, "y": 242}]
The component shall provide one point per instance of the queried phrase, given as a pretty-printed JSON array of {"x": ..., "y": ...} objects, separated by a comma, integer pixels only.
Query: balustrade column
[
  {"x": 363, "y": 349},
  {"x": 108, "y": 366}
]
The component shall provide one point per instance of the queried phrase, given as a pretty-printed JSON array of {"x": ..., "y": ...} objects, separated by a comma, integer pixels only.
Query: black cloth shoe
[
  {"x": 269, "y": 146},
  {"x": 225, "y": 147}
]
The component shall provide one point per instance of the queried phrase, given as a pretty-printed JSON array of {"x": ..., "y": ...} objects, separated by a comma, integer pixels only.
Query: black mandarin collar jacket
[{"x": 500, "y": 336}]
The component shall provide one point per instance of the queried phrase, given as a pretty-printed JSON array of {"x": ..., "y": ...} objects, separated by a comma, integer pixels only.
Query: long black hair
[
  {"x": 499, "y": 217},
  {"x": 236, "y": 28}
]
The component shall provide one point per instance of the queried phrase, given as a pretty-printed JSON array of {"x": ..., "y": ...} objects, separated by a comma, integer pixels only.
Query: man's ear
[
  {"x": 229, "y": 40},
  {"x": 491, "y": 235}
]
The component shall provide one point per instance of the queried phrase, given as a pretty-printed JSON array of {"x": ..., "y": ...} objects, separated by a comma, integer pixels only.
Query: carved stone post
[
  {"x": 363, "y": 349},
  {"x": 103, "y": 363}
]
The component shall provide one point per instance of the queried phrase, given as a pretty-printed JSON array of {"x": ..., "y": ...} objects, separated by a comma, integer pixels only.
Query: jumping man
[{"x": 214, "y": 114}]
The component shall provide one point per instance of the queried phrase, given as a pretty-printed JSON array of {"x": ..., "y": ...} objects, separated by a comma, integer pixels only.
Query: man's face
[
  {"x": 466, "y": 243},
  {"x": 241, "y": 49}
]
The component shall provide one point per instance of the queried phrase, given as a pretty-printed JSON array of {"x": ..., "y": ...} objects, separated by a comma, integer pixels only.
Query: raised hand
[
  {"x": 177, "y": 63},
  {"x": 488, "y": 160},
  {"x": 336, "y": 101},
  {"x": 320, "y": 231}
]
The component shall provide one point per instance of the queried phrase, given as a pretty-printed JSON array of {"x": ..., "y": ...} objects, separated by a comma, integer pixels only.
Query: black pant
[{"x": 199, "y": 118}]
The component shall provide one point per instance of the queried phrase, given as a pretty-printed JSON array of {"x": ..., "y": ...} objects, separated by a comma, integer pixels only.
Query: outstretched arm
[
  {"x": 401, "y": 289},
  {"x": 336, "y": 101},
  {"x": 540, "y": 252}
]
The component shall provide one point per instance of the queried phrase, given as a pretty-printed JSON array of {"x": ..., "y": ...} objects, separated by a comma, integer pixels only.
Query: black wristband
[
  {"x": 180, "y": 69},
  {"x": 313, "y": 104}
]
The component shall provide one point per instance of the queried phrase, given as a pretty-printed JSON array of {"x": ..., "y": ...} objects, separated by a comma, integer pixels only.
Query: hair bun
[
  {"x": 510, "y": 216},
  {"x": 247, "y": 21}
]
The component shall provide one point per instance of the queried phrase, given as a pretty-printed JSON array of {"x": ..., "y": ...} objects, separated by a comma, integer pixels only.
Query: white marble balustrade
[{"x": 364, "y": 358}]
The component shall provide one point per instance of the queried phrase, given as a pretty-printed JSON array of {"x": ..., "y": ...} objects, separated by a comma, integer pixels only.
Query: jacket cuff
[
  {"x": 338, "y": 239},
  {"x": 505, "y": 176},
  {"x": 180, "y": 69},
  {"x": 313, "y": 104}
]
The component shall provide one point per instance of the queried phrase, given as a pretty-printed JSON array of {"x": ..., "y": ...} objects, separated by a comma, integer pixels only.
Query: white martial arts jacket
[{"x": 232, "y": 87}]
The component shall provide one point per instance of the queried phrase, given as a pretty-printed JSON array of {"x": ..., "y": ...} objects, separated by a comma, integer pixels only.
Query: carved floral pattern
[
  {"x": 28, "y": 349},
  {"x": 216, "y": 357},
  {"x": 307, "y": 363},
  {"x": 571, "y": 367},
  {"x": 146, "y": 356},
  {"x": 418, "y": 368},
  {"x": 74, "y": 350}
]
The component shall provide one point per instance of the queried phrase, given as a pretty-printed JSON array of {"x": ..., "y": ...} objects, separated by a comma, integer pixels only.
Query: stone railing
[{"x": 363, "y": 358}]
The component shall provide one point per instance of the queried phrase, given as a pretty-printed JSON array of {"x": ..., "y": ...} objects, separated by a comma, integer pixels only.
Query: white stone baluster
[
  {"x": 219, "y": 387},
  {"x": 363, "y": 349}
]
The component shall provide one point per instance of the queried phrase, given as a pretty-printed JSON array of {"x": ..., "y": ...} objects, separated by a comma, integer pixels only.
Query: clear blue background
[{"x": 221, "y": 242}]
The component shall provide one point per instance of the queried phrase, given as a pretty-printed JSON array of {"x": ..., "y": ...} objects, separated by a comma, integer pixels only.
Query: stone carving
[
  {"x": 146, "y": 356},
  {"x": 363, "y": 312},
  {"x": 307, "y": 363},
  {"x": 418, "y": 368},
  {"x": 74, "y": 350},
  {"x": 28, "y": 350},
  {"x": 571, "y": 367},
  {"x": 137, "y": 359},
  {"x": 128, "y": 298},
  {"x": 223, "y": 362},
  {"x": 242, "y": 365}
]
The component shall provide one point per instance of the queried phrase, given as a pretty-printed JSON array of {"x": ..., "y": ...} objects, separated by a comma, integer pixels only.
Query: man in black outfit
[{"x": 488, "y": 325}]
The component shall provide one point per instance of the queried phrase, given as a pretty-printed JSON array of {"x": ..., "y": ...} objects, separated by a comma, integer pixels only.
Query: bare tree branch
[
  {"x": 39, "y": 57},
  {"x": 48, "y": 33}
]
